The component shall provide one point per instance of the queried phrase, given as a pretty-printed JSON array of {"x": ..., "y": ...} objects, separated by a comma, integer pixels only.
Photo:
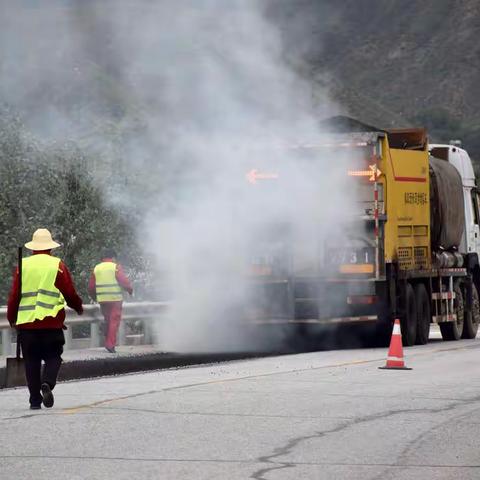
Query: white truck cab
[{"x": 460, "y": 159}]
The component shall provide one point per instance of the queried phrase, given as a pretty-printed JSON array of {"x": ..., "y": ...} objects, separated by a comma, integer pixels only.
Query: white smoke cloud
[{"x": 206, "y": 97}]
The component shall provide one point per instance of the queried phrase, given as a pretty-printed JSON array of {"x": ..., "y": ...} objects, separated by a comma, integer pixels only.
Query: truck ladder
[{"x": 444, "y": 309}]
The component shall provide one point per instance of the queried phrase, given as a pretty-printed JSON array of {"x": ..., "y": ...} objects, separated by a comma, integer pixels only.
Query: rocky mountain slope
[{"x": 393, "y": 62}]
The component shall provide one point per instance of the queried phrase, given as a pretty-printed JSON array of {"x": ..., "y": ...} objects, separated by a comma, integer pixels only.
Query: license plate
[{"x": 352, "y": 256}]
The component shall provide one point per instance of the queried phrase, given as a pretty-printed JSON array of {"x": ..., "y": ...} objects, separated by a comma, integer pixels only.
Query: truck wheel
[
  {"x": 423, "y": 314},
  {"x": 409, "y": 320},
  {"x": 453, "y": 330},
  {"x": 470, "y": 326}
]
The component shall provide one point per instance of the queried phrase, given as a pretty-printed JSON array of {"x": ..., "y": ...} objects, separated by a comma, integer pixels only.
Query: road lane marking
[
  {"x": 73, "y": 410},
  {"x": 80, "y": 408}
]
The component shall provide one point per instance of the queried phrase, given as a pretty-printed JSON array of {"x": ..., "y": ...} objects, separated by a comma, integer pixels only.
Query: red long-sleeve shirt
[
  {"x": 63, "y": 282},
  {"x": 122, "y": 280}
]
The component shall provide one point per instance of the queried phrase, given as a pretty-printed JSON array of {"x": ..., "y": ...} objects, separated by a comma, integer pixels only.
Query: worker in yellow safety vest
[
  {"x": 106, "y": 285},
  {"x": 36, "y": 308}
]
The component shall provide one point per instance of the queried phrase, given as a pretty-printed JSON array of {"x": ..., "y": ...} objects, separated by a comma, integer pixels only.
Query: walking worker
[
  {"x": 105, "y": 286},
  {"x": 36, "y": 308}
]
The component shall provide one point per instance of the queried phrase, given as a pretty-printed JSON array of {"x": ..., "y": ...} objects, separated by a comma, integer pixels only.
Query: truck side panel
[{"x": 407, "y": 193}]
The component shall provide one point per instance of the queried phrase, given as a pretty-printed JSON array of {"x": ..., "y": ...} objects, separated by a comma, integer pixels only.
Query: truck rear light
[
  {"x": 357, "y": 268},
  {"x": 260, "y": 270},
  {"x": 361, "y": 299}
]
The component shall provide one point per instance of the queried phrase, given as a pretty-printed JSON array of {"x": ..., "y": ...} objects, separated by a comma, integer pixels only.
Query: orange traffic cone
[{"x": 395, "y": 352}]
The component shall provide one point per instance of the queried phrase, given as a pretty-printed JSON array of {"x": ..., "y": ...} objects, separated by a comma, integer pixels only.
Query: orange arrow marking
[
  {"x": 373, "y": 173},
  {"x": 254, "y": 175}
]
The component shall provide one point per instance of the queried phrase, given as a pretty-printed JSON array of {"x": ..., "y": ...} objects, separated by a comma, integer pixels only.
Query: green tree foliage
[{"x": 48, "y": 186}]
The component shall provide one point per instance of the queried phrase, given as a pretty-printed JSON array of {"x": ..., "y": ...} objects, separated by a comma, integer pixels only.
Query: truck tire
[
  {"x": 409, "y": 320},
  {"x": 470, "y": 325},
  {"x": 423, "y": 314},
  {"x": 453, "y": 330}
]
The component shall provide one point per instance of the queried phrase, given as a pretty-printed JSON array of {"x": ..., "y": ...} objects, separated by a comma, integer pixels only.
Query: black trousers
[{"x": 37, "y": 345}]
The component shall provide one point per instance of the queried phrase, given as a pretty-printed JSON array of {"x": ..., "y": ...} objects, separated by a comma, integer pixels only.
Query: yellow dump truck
[{"x": 409, "y": 252}]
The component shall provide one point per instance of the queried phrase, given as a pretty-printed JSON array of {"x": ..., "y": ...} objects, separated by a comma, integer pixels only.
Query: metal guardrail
[{"x": 138, "y": 311}]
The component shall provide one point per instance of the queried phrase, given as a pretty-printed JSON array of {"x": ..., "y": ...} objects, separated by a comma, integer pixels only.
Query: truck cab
[{"x": 460, "y": 159}]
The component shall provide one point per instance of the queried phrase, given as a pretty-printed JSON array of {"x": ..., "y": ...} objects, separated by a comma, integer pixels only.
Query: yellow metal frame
[{"x": 406, "y": 190}]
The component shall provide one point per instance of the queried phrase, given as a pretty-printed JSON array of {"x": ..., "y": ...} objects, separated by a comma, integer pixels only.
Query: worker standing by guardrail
[
  {"x": 105, "y": 286},
  {"x": 37, "y": 310}
]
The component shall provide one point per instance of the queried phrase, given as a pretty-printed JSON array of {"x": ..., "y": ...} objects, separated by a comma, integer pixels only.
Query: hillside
[{"x": 393, "y": 62}]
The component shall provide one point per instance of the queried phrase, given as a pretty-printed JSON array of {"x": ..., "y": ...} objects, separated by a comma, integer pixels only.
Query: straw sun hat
[{"x": 42, "y": 240}]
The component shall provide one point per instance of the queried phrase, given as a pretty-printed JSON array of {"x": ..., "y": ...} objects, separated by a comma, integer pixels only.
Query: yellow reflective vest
[
  {"x": 107, "y": 287},
  {"x": 40, "y": 297}
]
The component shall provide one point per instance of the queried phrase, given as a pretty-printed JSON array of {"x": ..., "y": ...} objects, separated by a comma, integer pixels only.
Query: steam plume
[{"x": 186, "y": 99}]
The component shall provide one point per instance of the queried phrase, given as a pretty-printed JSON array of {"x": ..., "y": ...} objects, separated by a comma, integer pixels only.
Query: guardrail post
[
  {"x": 148, "y": 331},
  {"x": 122, "y": 339},
  {"x": 6, "y": 342},
  {"x": 68, "y": 337},
  {"x": 94, "y": 335}
]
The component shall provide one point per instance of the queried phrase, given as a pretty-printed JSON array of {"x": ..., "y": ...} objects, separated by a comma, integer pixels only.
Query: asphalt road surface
[{"x": 324, "y": 415}]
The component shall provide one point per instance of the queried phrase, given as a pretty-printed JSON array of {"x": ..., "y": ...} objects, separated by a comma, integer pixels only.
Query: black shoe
[
  {"x": 110, "y": 350},
  {"x": 47, "y": 395},
  {"x": 35, "y": 407}
]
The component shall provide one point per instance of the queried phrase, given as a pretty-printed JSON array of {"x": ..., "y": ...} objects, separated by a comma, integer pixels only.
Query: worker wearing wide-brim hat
[{"x": 36, "y": 308}]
